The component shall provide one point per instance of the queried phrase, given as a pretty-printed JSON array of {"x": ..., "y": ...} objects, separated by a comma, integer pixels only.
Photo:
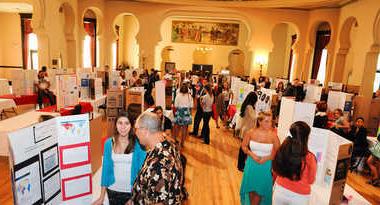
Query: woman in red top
[{"x": 295, "y": 167}]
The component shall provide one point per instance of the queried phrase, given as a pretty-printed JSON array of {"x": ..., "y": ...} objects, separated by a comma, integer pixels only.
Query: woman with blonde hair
[{"x": 260, "y": 144}]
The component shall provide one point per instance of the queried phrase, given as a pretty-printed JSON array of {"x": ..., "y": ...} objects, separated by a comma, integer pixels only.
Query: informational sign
[
  {"x": 313, "y": 93},
  {"x": 160, "y": 93},
  {"x": 264, "y": 100},
  {"x": 50, "y": 162},
  {"x": 67, "y": 91},
  {"x": 292, "y": 111}
]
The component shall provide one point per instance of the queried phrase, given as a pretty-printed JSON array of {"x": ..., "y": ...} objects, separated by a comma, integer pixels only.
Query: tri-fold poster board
[
  {"x": 292, "y": 111},
  {"x": 50, "y": 162}
]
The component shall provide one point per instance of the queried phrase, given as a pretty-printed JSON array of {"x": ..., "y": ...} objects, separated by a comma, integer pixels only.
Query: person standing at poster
[
  {"x": 161, "y": 177},
  {"x": 199, "y": 113},
  {"x": 206, "y": 103},
  {"x": 260, "y": 144},
  {"x": 295, "y": 167},
  {"x": 42, "y": 86},
  {"x": 122, "y": 160}
]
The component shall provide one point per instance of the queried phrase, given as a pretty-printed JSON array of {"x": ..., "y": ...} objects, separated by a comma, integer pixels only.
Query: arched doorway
[
  {"x": 236, "y": 62},
  {"x": 68, "y": 19},
  {"x": 282, "y": 60},
  {"x": 125, "y": 49},
  {"x": 320, "y": 57}
]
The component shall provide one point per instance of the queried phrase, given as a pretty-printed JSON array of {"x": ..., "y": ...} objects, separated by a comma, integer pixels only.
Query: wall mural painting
[{"x": 205, "y": 33}]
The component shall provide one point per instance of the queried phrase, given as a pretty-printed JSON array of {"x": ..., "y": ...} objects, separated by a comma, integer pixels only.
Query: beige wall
[
  {"x": 10, "y": 40},
  {"x": 278, "y": 61}
]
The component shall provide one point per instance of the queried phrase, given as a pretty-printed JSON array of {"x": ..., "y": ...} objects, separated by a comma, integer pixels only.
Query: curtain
[
  {"x": 294, "y": 38},
  {"x": 27, "y": 29},
  {"x": 90, "y": 29},
  {"x": 117, "y": 28},
  {"x": 322, "y": 40}
]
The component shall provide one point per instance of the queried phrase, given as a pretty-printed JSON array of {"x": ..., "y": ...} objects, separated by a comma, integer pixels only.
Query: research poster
[
  {"x": 264, "y": 100},
  {"x": 313, "y": 93},
  {"x": 160, "y": 93},
  {"x": 51, "y": 162}
]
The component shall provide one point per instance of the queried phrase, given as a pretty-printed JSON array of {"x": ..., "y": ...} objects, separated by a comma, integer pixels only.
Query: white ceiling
[
  {"x": 16, "y": 7},
  {"x": 291, "y": 4}
]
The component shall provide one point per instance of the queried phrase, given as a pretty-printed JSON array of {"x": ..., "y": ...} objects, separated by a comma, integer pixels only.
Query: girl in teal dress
[{"x": 260, "y": 144}]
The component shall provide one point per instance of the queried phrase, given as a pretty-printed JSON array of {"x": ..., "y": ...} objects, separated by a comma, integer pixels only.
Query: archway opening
[
  {"x": 91, "y": 41},
  {"x": 322, "y": 39},
  {"x": 125, "y": 49},
  {"x": 68, "y": 22},
  {"x": 209, "y": 40}
]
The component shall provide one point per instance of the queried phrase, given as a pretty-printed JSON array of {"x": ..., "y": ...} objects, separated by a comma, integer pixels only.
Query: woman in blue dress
[{"x": 260, "y": 144}]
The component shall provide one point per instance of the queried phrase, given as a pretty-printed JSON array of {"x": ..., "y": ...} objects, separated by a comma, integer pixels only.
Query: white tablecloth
[
  {"x": 6, "y": 104},
  {"x": 15, "y": 123},
  {"x": 354, "y": 198},
  {"x": 97, "y": 102}
]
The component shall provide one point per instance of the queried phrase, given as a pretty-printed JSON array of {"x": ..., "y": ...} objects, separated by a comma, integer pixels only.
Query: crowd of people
[{"x": 143, "y": 163}]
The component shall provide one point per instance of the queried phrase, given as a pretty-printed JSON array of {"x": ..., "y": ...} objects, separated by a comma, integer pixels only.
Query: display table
[
  {"x": 6, "y": 104},
  {"x": 15, "y": 123},
  {"x": 97, "y": 102},
  {"x": 24, "y": 99}
]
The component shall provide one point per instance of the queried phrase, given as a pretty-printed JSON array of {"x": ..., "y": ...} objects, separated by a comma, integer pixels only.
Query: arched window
[
  {"x": 87, "y": 60},
  {"x": 376, "y": 84}
]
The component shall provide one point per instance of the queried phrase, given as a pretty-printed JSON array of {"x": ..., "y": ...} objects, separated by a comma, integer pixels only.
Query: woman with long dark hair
[
  {"x": 122, "y": 160},
  {"x": 206, "y": 103},
  {"x": 260, "y": 144},
  {"x": 295, "y": 167},
  {"x": 248, "y": 113}
]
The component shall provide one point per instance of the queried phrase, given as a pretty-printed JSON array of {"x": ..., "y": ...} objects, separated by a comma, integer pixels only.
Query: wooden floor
[{"x": 211, "y": 173}]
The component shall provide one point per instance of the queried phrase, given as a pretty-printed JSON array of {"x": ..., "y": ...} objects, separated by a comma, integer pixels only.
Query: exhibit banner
[
  {"x": 160, "y": 93},
  {"x": 50, "y": 162}
]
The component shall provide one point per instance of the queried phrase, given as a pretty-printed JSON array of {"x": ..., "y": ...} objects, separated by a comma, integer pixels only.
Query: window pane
[
  {"x": 87, "y": 52},
  {"x": 322, "y": 67},
  {"x": 291, "y": 77},
  {"x": 376, "y": 84},
  {"x": 114, "y": 57},
  {"x": 378, "y": 64}
]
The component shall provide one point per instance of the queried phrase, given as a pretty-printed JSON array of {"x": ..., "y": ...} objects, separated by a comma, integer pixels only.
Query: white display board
[
  {"x": 264, "y": 100},
  {"x": 114, "y": 79},
  {"x": 313, "y": 93},
  {"x": 333, "y": 154},
  {"x": 48, "y": 162},
  {"x": 160, "y": 93},
  {"x": 67, "y": 90},
  {"x": 4, "y": 87},
  {"x": 335, "y": 86},
  {"x": 292, "y": 111},
  {"x": 339, "y": 100},
  {"x": 235, "y": 86}
]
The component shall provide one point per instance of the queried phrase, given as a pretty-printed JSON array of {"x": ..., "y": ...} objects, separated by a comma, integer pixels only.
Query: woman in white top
[
  {"x": 206, "y": 103},
  {"x": 260, "y": 144},
  {"x": 182, "y": 117},
  {"x": 122, "y": 160}
]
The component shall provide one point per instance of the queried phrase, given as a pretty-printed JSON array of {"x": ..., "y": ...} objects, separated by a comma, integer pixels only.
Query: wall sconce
[{"x": 261, "y": 61}]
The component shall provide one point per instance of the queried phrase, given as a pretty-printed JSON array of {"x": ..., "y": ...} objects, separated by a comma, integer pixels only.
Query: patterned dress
[{"x": 160, "y": 178}]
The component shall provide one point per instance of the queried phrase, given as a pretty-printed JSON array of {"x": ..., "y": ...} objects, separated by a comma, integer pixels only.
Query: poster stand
[{"x": 49, "y": 160}]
